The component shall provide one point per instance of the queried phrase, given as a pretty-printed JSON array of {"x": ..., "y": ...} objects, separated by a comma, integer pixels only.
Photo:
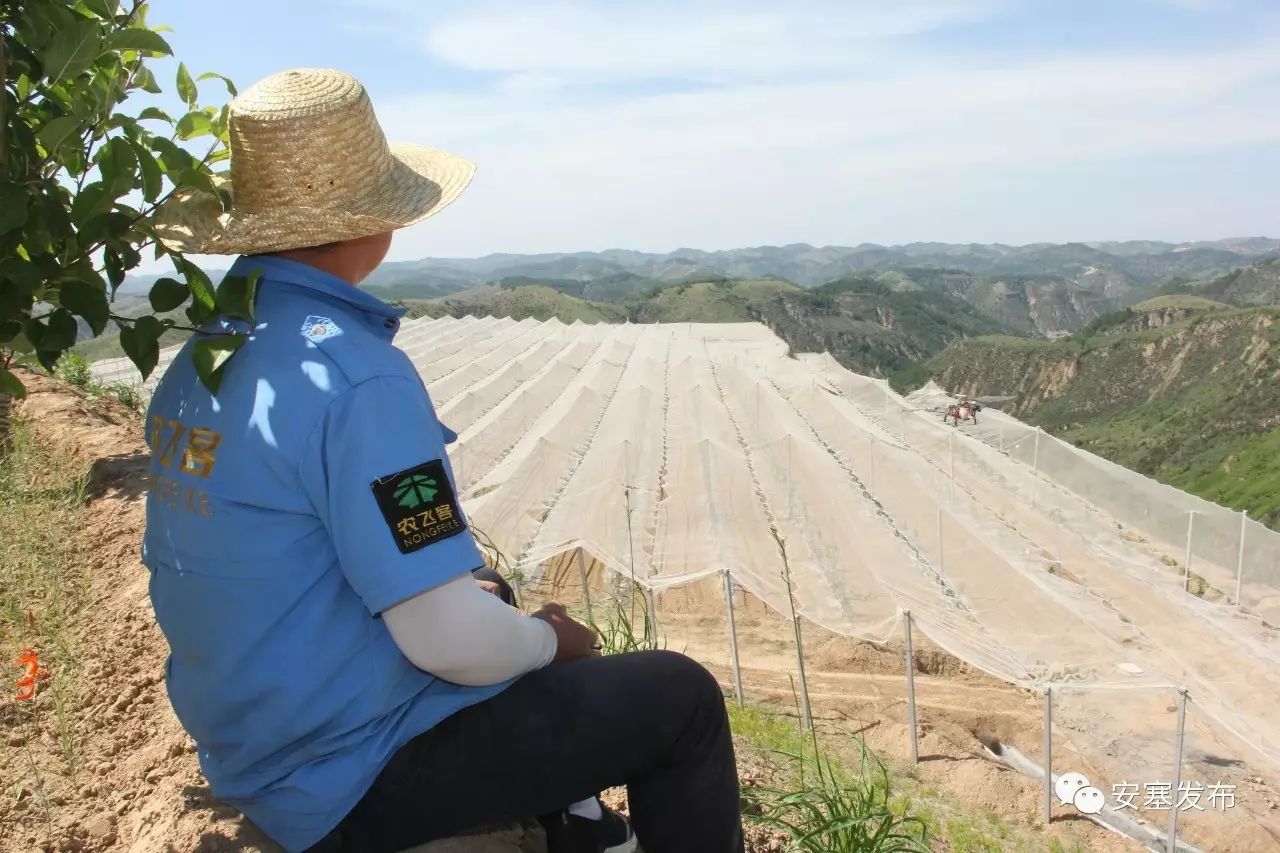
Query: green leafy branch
[{"x": 82, "y": 177}]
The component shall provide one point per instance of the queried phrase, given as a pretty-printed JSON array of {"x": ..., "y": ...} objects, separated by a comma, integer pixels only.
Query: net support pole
[
  {"x": 951, "y": 462},
  {"x": 1244, "y": 521},
  {"x": 586, "y": 587},
  {"x": 1035, "y": 466},
  {"x": 651, "y": 602},
  {"x": 942, "y": 550},
  {"x": 733, "y": 637},
  {"x": 1048, "y": 754},
  {"x": 1186, "y": 571},
  {"x": 902, "y": 425},
  {"x": 806, "y": 714},
  {"x": 1177, "y": 770},
  {"x": 914, "y": 737},
  {"x": 871, "y": 455}
]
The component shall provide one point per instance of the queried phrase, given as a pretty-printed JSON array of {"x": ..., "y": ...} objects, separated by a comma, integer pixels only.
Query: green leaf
[
  {"x": 174, "y": 159},
  {"x": 9, "y": 329},
  {"x": 231, "y": 87},
  {"x": 152, "y": 177},
  {"x": 56, "y": 131},
  {"x": 82, "y": 298},
  {"x": 105, "y": 8},
  {"x": 235, "y": 295},
  {"x": 186, "y": 86},
  {"x": 91, "y": 201},
  {"x": 60, "y": 333},
  {"x": 155, "y": 113},
  {"x": 194, "y": 124},
  {"x": 11, "y": 385},
  {"x": 200, "y": 285},
  {"x": 137, "y": 38},
  {"x": 211, "y": 355},
  {"x": 114, "y": 264},
  {"x": 13, "y": 206},
  {"x": 71, "y": 50},
  {"x": 140, "y": 341},
  {"x": 146, "y": 81},
  {"x": 168, "y": 294},
  {"x": 118, "y": 165}
]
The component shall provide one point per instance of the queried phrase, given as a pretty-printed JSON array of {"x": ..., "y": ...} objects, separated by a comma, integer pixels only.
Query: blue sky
[{"x": 659, "y": 124}]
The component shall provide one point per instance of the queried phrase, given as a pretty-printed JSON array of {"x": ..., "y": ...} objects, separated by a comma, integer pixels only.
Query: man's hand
[
  {"x": 490, "y": 587},
  {"x": 574, "y": 640}
]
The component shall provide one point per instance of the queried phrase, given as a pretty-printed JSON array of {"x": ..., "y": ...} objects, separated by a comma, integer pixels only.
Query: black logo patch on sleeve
[{"x": 419, "y": 506}]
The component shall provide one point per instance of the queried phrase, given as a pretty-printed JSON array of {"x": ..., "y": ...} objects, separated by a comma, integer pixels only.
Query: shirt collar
[{"x": 317, "y": 280}]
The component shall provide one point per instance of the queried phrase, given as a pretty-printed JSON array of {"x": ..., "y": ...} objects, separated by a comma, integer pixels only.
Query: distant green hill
[
  {"x": 1194, "y": 403},
  {"x": 866, "y": 325}
]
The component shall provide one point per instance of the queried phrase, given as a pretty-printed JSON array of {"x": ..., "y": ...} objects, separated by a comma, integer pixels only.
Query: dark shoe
[{"x": 569, "y": 833}]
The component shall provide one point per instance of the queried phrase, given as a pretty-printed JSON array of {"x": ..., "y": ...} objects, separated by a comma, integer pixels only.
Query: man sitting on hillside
[{"x": 348, "y": 684}]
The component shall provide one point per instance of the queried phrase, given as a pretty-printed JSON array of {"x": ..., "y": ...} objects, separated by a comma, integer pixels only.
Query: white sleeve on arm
[{"x": 465, "y": 635}]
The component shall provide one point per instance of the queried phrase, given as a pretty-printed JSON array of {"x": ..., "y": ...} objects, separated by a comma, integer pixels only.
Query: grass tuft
[{"x": 42, "y": 581}]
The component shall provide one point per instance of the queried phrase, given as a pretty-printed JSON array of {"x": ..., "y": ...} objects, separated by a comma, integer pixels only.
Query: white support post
[
  {"x": 1244, "y": 521},
  {"x": 1177, "y": 770},
  {"x": 733, "y": 637},
  {"x": 942, "y": 551},
  {"x": 651, "y": 602},
  {"x": 911, "y": 687},
  {"x": 951, "y": 461},
  {"x": 871, "y": 479},
  {"x": 902, "y": 425},
  {"x": 1048, "y": 754},
  {"x": 1186, "y": 570},
  {"x": 1035, "y": 466},
  {"x": 806, "y": 714},
  {"x": 586, "y": 587}
]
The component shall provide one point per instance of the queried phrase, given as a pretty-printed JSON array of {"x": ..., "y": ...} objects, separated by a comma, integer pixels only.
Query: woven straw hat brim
[{"x": 422, "y": 182}]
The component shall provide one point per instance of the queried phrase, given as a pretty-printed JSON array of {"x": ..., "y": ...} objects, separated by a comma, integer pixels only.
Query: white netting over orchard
[{"x": 673, "y": 452}]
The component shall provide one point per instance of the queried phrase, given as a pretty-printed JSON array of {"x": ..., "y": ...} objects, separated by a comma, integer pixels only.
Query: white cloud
[
  {"x": 655, "y": 125},
  {"x": 683, "y": 39}
]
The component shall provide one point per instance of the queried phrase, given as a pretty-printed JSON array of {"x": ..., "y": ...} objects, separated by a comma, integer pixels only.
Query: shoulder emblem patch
[
  {"x": 317, "y": 329},
  {"x": 419, "y": 506}
]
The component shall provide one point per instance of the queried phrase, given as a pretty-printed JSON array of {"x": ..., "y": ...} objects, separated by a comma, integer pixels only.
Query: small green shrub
[
  {"x": 73, "y": 368},
  {"x": 831, "y": 811}
]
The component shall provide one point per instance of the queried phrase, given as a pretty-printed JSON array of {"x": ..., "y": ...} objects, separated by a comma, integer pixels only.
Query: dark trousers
[{"x": 653, "y": 721}]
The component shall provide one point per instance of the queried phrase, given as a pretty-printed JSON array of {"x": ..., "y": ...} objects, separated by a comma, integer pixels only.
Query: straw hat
[{"x": 310, "y": 165}]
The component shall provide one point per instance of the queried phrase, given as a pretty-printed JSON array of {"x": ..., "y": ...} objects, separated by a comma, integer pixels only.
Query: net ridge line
[
  {"x": 539, "y": 334},
  {"x": 497, "y": 341},
  {"x": 507, "y": 372},
  {"x": 558, "y": 359},
  {"x": 524, "y": 388},
  {"x": 493, "y": 377},
  {"x": 949, "y": 594},
  {"x": 577, "y": 455},
  {"x": 833, "y": 586},
  {"x": 460, "y": 346},
  {"x": 651, "y": 546},
  {"x": 761, "y": 498}
]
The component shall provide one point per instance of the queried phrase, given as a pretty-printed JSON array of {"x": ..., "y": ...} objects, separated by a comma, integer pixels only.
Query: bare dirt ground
[{"x": 137, "y": 785}]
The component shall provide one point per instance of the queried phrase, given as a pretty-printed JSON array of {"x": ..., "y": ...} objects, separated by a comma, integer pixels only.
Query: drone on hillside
[{"x": 966, "y": 408}]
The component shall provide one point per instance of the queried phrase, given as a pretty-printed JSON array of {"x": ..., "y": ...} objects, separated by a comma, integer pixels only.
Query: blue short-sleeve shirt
[{"x": 284, "y": 514}]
